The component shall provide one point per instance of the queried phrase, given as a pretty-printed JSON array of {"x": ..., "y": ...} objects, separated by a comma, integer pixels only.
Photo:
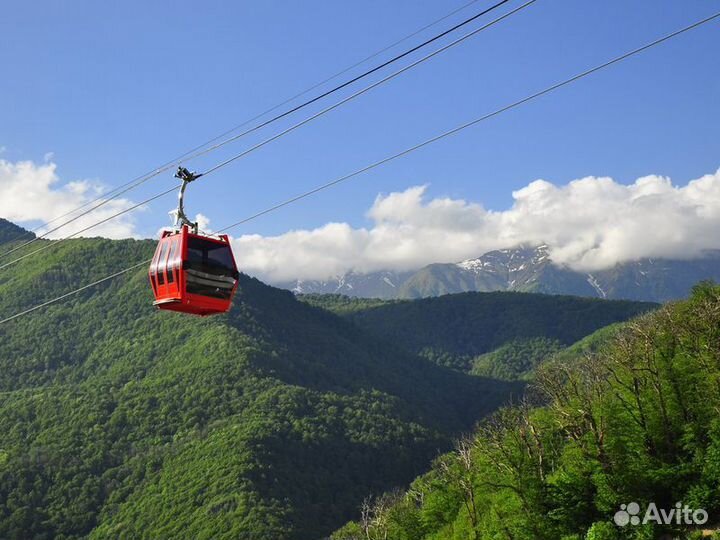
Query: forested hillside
[
  {"x": 634, "y": 418},
  {"x": 454, "y": 330},
  {"x": 9, "y": 232},
  {"x": 271, "y": 422}
]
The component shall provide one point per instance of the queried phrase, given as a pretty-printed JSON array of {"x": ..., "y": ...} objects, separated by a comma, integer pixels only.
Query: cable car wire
[
  {"x": 287, "y": 130},
  {"x": 104, "y": 200},
  {"x": 53, "y": 243},
  {"x": 461, "y": 127},
  {"x": 201, "y": 150},
  {"x": 371, "y": 86},
  {"x": 169, "y": 164},
  {"x": 472, "y": 122}
]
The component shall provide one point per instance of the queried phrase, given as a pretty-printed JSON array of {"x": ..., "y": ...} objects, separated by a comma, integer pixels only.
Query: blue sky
[{"x": 115, "y": 89}]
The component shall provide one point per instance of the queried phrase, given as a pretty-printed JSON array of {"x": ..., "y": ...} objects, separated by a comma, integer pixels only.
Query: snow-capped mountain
[
  {"x": 528, "y": 270},
  {"x": 519, "y": 269}
]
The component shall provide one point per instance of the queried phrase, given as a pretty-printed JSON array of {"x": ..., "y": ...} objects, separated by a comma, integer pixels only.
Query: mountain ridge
[
  {"x": 454, "y": 330},
  {"x": 526, "y": 269},
  {"x": 10, "y": 232}
]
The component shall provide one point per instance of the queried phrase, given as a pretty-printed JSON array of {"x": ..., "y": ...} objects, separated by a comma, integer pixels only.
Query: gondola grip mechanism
[{"x": 180, "y": 218}]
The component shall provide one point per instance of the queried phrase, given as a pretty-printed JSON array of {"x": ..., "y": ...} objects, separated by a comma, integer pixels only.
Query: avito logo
[{"x": 680, "y": 514}]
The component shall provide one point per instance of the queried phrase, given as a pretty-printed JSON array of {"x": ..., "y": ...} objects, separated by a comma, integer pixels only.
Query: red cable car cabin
[{"x": 192, "y": 273}]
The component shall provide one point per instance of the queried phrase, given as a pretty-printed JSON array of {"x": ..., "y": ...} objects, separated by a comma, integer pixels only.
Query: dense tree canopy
[
  {"x": 453, "y": 330},
  {"x": 634, "y": 418}
]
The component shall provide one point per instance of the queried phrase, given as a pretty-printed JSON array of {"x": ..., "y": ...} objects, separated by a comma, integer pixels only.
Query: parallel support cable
[{"x": 399, "y": 154}]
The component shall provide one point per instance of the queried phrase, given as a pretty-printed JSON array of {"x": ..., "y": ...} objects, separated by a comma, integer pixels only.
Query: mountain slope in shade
[
  {"x": 471, "y": 324},
  {"x": 10, "y": 232},
  {"x": 660, "y": 279},
  {"x": 530, "y": 270}
]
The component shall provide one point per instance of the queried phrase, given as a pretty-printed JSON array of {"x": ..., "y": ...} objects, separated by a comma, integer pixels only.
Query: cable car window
[
  {"x": 175, "y": 255},
  {"x": 210, "y": 257},
  {"x": 171, "y": 260},
  {"x": 153, "y": 264},
  {"x": 210, "y": 269},
  {"x": 161, "y": 264}
]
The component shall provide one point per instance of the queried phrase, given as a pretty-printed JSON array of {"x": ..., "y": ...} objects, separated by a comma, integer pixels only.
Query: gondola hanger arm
[{"x": 181, "y": 219}]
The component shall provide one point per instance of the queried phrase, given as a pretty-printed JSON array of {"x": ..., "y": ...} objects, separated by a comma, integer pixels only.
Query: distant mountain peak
[
  {"x": 527, "y": 269},
  {"x": 511, "y": 260}
]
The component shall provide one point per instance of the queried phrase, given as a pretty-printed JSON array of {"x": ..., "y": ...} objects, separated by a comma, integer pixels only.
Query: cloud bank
[
  {"x": 588, "y": 224},
  {"x": 31, "y": 194}
]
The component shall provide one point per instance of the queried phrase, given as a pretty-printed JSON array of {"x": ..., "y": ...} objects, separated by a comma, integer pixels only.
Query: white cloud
[
  {"x": 203, "y": 222},
  {"x": 590, "y": 223},
  {"x": 31, "y": 193}
]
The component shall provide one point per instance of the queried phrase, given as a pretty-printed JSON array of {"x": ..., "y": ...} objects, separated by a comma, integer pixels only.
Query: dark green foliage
[
  {"x": 341, "y": 304},
  {"x": 10, "y": 232},
  {"x": 515, "y": 359},
  {"x": 273, "y": 421},
  {"x": 451, "y": 330},
  {"x": 630, "y": 414},
  {"x": 591, "y": 344},
  {"x": 475, "y": 323}
]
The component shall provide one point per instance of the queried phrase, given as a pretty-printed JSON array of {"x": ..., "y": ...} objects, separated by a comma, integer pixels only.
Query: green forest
[
  {"x": 274, "y": 421},
  {"x": 628, "y": 415},
  {"x": 457, "y": 330}
]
